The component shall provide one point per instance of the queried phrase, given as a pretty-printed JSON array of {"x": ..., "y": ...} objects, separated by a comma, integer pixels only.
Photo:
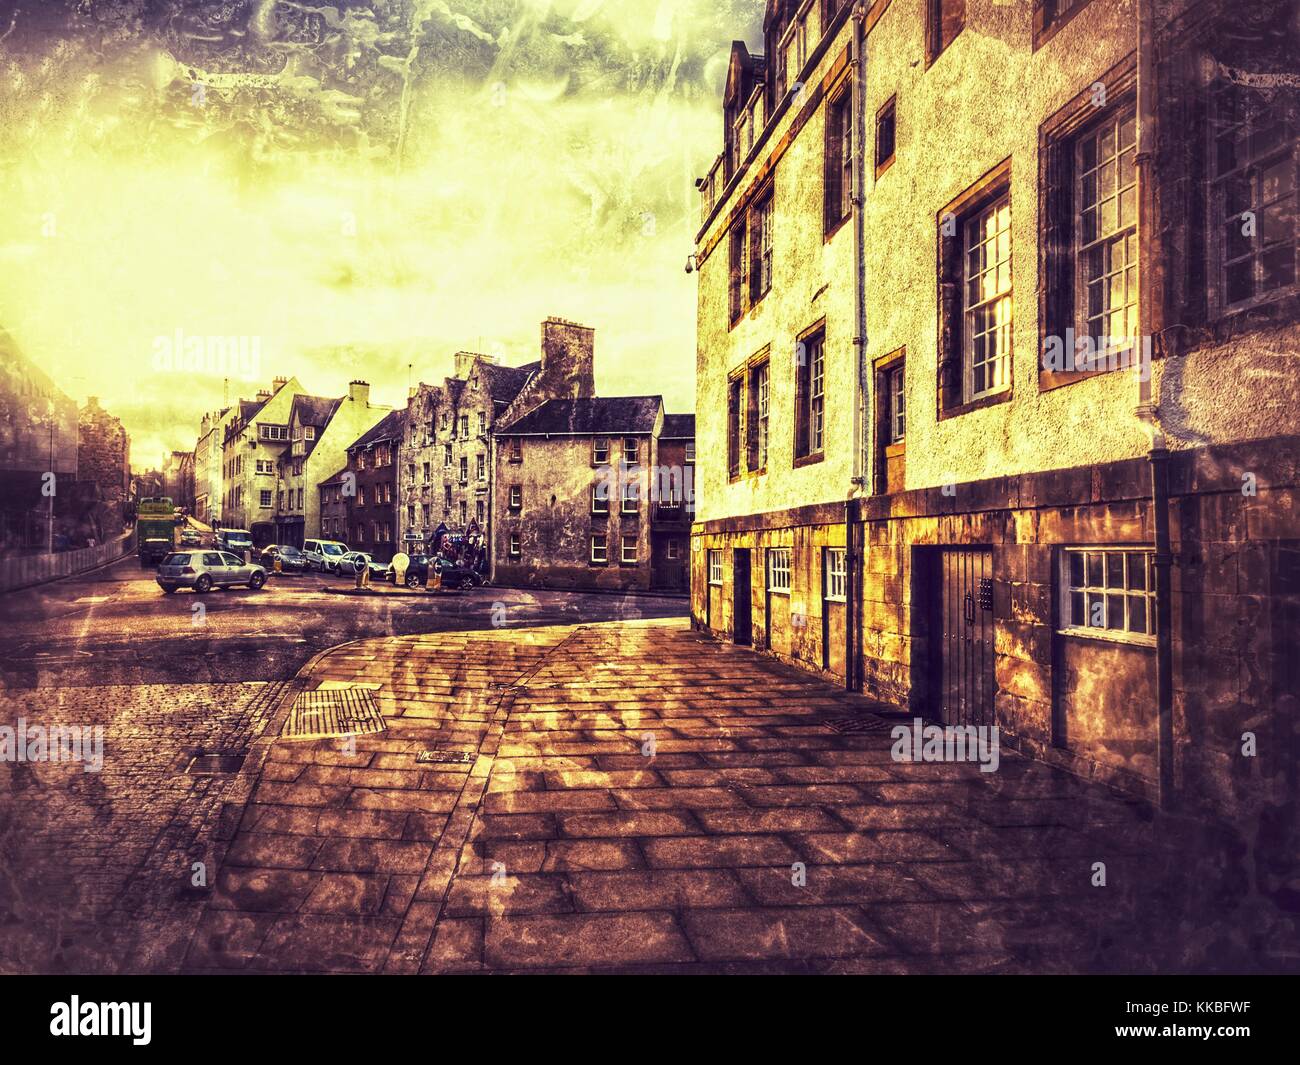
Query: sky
[{"x": 350, "y": 191}]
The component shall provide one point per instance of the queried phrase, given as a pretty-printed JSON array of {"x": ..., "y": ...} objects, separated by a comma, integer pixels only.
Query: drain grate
[
  {"x": 214, "y": 763},
  {"x": 324, "y": 714},
  {"x": 860, "y": 723},
  {"x": 446, "y": 757}
]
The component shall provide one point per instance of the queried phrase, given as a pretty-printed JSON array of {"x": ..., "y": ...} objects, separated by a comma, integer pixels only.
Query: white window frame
[
  {"x": 998, "y": 302},
  {"x": 631, "y": 451},
  {"x": 599, "y": 547},
  {"x": 835, "y": 564},
  {"x": 1110, "y": 191},
  {"x": 631, "y": 498},
  {"x": 515, "y": 549},
  {"x": 623, "y": 549},
  {"x": 1107, "y": 594},
  {"x": 599, "y": 505},
  {"x": 778, "y": 570},
  {"x": 896, "y": 390},
  {"x": 600, "y": 451},
  {"x": 715, "y": 566},
  {"x": 764, "y": 376},
  {"x": 817, "y": 398},
  {"x": 516, "y": 497},
  {"x": 264, "y": 499}
]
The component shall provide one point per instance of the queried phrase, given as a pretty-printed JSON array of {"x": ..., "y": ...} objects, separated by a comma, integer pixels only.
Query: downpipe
[
  {"x": 852, "y": 513},
  {"x": 1148, "y": 409}
]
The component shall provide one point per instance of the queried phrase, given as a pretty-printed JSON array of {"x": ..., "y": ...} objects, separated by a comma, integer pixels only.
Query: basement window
[{"x": 1108, "y": 592}]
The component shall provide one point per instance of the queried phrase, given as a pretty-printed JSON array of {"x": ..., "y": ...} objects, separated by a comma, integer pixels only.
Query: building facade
[
  {"x": 674, "y": 505},
  {"x": 208, "y": 467},
  {"x": 104, "y": 458},
  {"x": 962, "y": 362},
  {"x": 372, "y": 512},
  {"x": 335, "y": 498},
  {"x": 38, "y": 437},
  {"x": 255, "y": 439}
]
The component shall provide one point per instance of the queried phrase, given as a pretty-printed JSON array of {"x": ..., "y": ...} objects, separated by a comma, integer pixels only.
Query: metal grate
[
  {"x": 859, "y": 723},
  {"x": 327, "y": 714},
  {"x": 446, "y": 757},
  {"x": 214, "y": 763}
]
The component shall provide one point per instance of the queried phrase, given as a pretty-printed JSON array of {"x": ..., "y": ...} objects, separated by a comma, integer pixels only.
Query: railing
[{"x": 26, "y": 570}]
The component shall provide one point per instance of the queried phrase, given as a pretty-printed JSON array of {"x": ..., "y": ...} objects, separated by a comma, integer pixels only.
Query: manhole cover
[
  {"x": 214, "y": 763},
  {"x": 446, "y": 757},
  {"x": 320, "y": 715}
]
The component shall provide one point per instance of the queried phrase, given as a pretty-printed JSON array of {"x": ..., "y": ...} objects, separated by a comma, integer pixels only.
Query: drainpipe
[
  {"x": 852, "y": 510},
  {"x": 1148, "y": 410}
]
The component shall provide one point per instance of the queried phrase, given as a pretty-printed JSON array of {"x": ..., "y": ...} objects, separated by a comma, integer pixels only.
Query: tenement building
[
  {"x": 372, "y": 509},
  {"x": 448, "y": 459},
  {"x": 996, "y": 374}
]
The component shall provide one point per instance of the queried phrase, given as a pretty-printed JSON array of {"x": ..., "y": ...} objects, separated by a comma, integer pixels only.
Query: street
[
  {"x": 116, "y": 626},
  {"x": 588, "y": 785},
  {"x": 81, "y": 853}
]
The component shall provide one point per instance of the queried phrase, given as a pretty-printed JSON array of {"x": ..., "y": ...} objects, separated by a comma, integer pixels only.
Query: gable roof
[
  {"x": 678, "y": 427},
  {"x": 313, "y": 410},
  {"x": 610, "y": 415},
  {"x": 390, "y": 427},
  {"x": 506, "y": 382},
  {"x": 335, "y": 479}
]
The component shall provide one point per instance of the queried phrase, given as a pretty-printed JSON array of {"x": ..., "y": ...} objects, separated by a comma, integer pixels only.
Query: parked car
[
  {"x": 417, "y": 571},
  {"x": 324, "y": 555},
  {"x": 236, "y": 541},
  {"x": 456, "y": 575},
  {"x": 351, "y": 563},
  {"x": 205, "y": 570},
  {"x": 291, "y": 559},
  {"x": 191, "y": 538}
]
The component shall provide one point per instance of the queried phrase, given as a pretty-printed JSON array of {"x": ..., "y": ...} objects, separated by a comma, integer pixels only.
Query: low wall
[{"x": 24, "y": 571}]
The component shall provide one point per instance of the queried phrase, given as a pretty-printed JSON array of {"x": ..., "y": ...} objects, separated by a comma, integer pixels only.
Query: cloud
[{"x": 359, "y": 187}]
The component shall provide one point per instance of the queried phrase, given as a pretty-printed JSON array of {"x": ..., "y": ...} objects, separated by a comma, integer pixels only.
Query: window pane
[
  {"x": 1137, "y": 613},
  {"x": 1077, "y": 616},
  {"x": 1114, "y": 571},
  {"x": 1114, "y": 612},
  {"x": 1137, "y": 571},
  {"x": 1076, "y": 569},
  {"x": 1094, "y": 569}
]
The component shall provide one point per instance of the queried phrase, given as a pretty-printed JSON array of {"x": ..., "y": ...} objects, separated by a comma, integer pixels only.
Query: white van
[{"x": 324, "y": 555}]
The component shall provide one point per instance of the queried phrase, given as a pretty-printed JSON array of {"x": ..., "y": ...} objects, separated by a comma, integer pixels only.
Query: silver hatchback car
[{"x": 205, "y": 570}]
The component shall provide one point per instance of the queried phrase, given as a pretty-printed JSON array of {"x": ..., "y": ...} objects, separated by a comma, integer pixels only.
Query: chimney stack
[
  {"x": 359, "y": 392},
  {"x": 568, "y": 353}
]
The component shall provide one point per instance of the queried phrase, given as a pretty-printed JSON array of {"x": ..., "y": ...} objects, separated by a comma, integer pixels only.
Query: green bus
[{"x": 155, "y": 529}]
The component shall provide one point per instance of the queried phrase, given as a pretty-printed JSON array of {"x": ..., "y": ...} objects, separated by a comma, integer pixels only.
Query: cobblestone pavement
[
  {"x": 95, "y": 867},
  {"x": 641, "y": 798}
]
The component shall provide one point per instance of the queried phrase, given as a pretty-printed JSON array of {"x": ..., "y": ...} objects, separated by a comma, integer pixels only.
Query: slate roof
[
  {"x": 678, "y": 427},
  {"x": 314, "y": 410},
  {"x": 336, "y": 479},
  {"x": 506, "y": 382},
  {"x": 390, "y": 427},
  {"x": 612, "y": 415}
]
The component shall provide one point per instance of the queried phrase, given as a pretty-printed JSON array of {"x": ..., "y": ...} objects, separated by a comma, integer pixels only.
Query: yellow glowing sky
[{"x": 547, "y": 167}]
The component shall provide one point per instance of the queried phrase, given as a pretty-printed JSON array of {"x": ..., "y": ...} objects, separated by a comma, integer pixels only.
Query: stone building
[
  {"x": 674, "y": 509},
  {"x": 448, "y": 459},
  {"x": 255, "y": 438},
  {"x": 335, "y": 498},
  {"x": 372, "y": 512},
  {"x": 104, "y": 458},
  {"x": 581, "y": 496},
  {"x": 914, "y": 477},
  {"x": 38, "y": 436},
  {"x": 208, "y": 465}
]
